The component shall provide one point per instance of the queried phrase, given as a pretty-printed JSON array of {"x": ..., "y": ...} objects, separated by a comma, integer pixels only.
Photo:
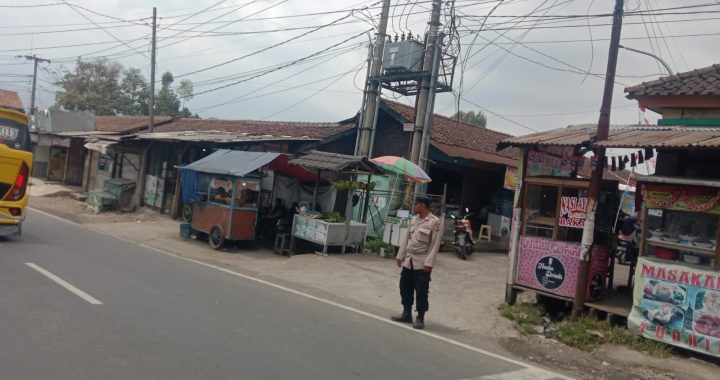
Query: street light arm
[{"x": 667, "y": 67}]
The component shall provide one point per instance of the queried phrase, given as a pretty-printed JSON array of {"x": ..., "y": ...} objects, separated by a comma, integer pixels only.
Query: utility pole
[
  {"x": 34, "y": 83},
  {"x": 603, "y": 130},
  {"x": 423, "y": 96},
  {"x": 368, "y": 122},
  {"x": 151, "y": 103},
  {"x": 431, "y": 103}
]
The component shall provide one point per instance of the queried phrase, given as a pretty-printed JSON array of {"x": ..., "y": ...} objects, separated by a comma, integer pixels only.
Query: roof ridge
[{"x": 454, "y": 120}]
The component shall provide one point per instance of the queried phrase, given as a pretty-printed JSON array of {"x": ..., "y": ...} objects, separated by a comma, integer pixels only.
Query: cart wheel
[
  {"x": 216, "y": 237},
  {"x": 187, "y": 213}
]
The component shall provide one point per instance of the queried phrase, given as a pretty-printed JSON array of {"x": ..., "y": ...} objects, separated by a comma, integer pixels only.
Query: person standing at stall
[{"x": 416, "y": 257}]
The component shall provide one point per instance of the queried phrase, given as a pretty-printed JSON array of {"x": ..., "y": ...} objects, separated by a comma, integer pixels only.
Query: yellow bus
[{"x": 15, "y": 165}]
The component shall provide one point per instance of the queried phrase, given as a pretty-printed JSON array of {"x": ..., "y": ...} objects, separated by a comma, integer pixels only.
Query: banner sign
[
  {"x": 542, "y": 164},
  {"x": 677, "y": 305},
  {"x": 681, "y": 198},
  {"x": 573, "y": 211},
  {"x": 552, "y": 266}
]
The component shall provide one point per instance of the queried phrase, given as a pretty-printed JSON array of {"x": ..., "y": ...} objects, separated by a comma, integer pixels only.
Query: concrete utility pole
[
  {"x": 368, "y": 121},
  {"x": 424, "y": 147},
  {"x": 151, "y": 102},
  {"x": 603, "y": 130},
  {"x": 424, "y": 95},
  {"x": 34, "y": 83}
]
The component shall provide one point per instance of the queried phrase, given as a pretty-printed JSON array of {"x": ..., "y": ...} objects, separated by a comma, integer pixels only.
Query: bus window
[{"x": 14, "y": 135}]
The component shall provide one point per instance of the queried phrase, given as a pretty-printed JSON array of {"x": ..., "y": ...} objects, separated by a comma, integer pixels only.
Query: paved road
[{"x": 75, "y": 304}]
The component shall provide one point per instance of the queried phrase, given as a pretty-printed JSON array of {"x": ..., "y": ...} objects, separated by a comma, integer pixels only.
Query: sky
[{"x": 529, "y": 65}]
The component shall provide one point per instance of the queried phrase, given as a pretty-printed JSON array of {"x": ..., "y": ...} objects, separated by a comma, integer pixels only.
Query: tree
[
  {"x": 185, "y": 91},
  {"x": 167, "y": 102},
  {"x": 135, "y": 93},
  {"x": 471, "y": 117},
  {"x": 92, "y": 86}
]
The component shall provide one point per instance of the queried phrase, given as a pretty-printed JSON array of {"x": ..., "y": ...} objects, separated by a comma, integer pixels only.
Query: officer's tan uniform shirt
[{"x": 422, "y": 242}]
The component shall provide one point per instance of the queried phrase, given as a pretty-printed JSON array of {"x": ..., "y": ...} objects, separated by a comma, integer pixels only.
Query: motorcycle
[{"x": 463, "y": 236}]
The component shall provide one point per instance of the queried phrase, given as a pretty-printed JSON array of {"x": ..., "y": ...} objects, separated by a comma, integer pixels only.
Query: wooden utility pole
[
  {"x": 603, "y": 130},
  {"x": 35, "y": 60},
  {"x": 425, "y": 88},
  {"x": 368, "y": 121},
  {"x": 151, "y": 102}
]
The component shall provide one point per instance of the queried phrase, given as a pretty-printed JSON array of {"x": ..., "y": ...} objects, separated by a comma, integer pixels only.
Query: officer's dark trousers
[{"x": 414, "y": 281}]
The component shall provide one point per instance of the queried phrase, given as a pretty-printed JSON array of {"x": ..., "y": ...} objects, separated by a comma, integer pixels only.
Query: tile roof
[
  {"x": 467, "y": 137},
  {"x": 11, "y": 99},
  {"x": 126, "y": 124},
  {"x": 258, "y": 127},
  {"x": 704, "y": 81}
]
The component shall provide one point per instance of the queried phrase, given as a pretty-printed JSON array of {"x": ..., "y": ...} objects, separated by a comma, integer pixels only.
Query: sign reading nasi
[
  {"x": 677, "y": 305},
  {"x": 573, "y": 211}
]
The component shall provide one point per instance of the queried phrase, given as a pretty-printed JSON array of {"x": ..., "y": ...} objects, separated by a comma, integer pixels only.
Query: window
[
  {"x": 221, "y": 191},
  {"x": 540, "y": 209},
  {"x": 247, "y": 194},
  {"x": 690, "y": 237}
]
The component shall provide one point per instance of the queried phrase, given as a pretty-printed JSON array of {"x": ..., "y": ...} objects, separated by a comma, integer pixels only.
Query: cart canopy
[{"x": 231, "y": 162}]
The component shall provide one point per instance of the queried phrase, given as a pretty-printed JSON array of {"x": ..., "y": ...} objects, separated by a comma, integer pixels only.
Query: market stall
[
  {"x": 552, "y": 217},
  {"x": 676, "y": 295},
  {"x": 336, "y": 229}
]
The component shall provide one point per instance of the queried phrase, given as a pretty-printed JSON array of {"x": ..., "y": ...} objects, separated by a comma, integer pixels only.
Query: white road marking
[
  {"x": 386, "y": 320},
  {"x": 521, "y": 374},
  {"x": 90, "y": 299}
]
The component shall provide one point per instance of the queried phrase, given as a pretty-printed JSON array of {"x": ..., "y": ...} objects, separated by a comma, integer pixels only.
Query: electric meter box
[{"x": 403, "y": 56}]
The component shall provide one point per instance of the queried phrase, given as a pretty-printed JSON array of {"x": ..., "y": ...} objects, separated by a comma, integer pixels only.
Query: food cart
[
  {"x": 676, "y": 295},
  {"x": 552, "y": 219},
  {"x": 223, "y": 189}
]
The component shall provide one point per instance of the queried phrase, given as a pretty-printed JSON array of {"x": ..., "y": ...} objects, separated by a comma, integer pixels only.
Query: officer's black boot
[
  {"x": 419, "y": 321},
  {"x": 405, "y": 317}
]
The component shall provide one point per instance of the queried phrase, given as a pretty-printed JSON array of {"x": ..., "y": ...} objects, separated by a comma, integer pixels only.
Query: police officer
[{"x": 416, "y": 257}]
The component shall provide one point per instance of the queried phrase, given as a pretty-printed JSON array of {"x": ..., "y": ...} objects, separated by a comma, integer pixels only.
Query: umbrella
[{"x": 399, "y": 165}]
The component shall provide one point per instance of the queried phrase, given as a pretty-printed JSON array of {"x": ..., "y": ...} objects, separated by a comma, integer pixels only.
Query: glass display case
[{"x": 680, "y": 223}]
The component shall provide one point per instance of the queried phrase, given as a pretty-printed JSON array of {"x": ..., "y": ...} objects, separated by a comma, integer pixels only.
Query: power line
[
  {"x": 103, "y": 29},
  {"x": 263, "y": 49},
  {"x": 283, "y": 66}
]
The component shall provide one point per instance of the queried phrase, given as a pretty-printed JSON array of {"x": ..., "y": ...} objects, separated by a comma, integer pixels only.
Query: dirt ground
[{"x": 465, "y": 295}]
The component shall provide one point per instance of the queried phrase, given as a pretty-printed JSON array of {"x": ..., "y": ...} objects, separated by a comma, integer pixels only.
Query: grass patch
[
  {"x": 586, "y": 334},
  {"x": 522, "y": 312}
]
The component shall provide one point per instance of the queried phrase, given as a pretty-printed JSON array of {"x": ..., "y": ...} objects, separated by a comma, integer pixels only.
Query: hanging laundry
[
  {"x": 633, "y": 161},
  {"x": 649, "y": 153},
  {"x": 641, "y": 159}
]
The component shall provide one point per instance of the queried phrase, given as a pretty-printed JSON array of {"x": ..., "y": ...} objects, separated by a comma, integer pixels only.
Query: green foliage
[
  {"x": 105, "y": 88},
  {"x": 333, "y": 217},
  {"x": 471, "y": 117},
  {"x": 354, "y": 185},
  {"x": 92, "y": 86},
  {"x": 586, "y": 333},
  {"x": 167, "y": 102},
  {"x": 522, "y": 313},
  {"x": 374, "y": 245}
]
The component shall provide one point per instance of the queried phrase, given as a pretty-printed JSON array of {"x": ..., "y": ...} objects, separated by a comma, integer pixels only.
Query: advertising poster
[
  {"x": 510, "y": 182},
  {"x": 552, "y": 266},
  {"x": 573, "y": 211},
  {"x": 677, "y": 305}
]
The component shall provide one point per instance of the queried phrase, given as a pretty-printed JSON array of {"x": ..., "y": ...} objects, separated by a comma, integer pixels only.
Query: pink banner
[{"x": 552, "y": 266}]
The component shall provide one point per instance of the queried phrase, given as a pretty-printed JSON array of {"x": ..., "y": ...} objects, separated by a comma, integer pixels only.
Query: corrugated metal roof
[
  {"x": 231, "y": 162},
  {"x": 335, "y": 162},
  {"x": 625, "y": 136},
  {"x": 217, "y": 137}
]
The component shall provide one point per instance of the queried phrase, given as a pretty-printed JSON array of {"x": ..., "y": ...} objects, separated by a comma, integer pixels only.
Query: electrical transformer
[{"x": 403, "y": 56}]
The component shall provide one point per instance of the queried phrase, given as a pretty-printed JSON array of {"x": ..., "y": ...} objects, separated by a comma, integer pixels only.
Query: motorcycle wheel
[{"x": 468, "y": 250}]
